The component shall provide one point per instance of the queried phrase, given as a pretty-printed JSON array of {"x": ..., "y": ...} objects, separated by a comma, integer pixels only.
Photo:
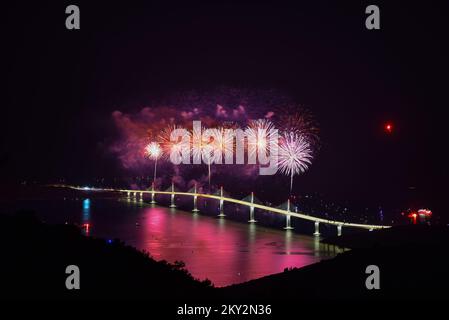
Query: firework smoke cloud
[{"x": 231, "y": 132}]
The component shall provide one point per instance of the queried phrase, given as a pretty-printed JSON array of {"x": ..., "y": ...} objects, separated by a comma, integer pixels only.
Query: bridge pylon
[
  {"x": 221, "y": 211},
  {"x": 172, "y": 202},
  {"x": 195, "y": 199},
  {"x": 251, "y": 210},
  {"x": 339, "y": 227},
  {"x": 153, "y": 201},
  {"x": 317, "y": 229},
  {"x": 288, "y": 225}
]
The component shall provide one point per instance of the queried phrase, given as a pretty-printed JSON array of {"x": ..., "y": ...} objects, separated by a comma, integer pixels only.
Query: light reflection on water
[
  {"x": 224, "y": 251},
  {"x": 219, "y": 249},
  {"x": 85, "y": 221}
]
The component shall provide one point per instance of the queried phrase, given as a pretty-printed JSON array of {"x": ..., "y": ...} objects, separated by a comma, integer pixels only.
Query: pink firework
[
  {"x": 169, "y": 146},
  {"x": 295, "y": 155},
  {"x": 300, "y": 121}
]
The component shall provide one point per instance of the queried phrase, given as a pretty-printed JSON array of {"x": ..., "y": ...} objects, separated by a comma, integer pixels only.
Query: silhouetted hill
[
  {"x": 413, "y": 265},
  {"x": 395, "y": 236},
  {"x": 34, "y": 257}
]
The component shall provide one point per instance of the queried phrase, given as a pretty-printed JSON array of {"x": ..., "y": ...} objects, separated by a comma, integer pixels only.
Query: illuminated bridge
[{"x": 251, "y": 204}]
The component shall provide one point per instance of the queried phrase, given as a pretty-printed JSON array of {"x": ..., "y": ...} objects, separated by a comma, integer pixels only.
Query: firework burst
[
  {"x": 295, "y": 155},
  {"x": 198, "y": 144},
  {"x": 222, "y": 144},
  {"x": 154, "y": 152},
  {"x": 300, "y": 121},
  {"x": 169, "y": 146},
  {"x": 261, "y": 133},
  {"x": 202, "y": 148}
]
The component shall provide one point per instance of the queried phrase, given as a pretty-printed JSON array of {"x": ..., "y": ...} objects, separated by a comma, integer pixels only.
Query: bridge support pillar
[
  {"x": 251, "y": 210},
  {"x": 317, "y": 229},
  {"x": 172, "y": 202},
  {"x": 195, "y": 199},
  {"x": 195, "y": 208},
  {"x": 152, "y": 198},
  {"x": 221, "y": 214},
  {"x": 153, "y": 201},
  {"x": 251, "y": 215},
  {"x": 288, "y": 225},
  {"x": 141, "y": 196},
  {"x": 128, "y": 194},
  {"x": 339, "y": 227},
  {"x": 371, "y": 229}
]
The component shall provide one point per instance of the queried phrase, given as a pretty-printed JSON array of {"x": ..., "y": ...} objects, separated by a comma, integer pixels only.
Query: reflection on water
[
  {"x": 221, "y": 250},
  {"x": 86, "y": 216},
  {"x": 224, "y": 251}
]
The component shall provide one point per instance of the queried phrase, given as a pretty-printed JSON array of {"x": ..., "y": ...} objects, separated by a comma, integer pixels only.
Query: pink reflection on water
[{"x": 224, "y": 251}]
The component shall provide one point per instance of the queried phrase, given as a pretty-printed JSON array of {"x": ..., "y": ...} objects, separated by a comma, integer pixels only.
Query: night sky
[{"x": 62, "y": 86}]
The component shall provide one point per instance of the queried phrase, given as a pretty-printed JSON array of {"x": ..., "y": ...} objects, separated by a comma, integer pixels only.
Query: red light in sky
[{"x": 388, "y": 127}]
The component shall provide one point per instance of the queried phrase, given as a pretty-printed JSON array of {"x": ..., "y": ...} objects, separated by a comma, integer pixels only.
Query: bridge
[{"x": 222, "y": 198}]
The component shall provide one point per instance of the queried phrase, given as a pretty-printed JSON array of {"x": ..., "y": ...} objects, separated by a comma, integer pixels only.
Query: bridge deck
[{"x": 243, "y": 203}]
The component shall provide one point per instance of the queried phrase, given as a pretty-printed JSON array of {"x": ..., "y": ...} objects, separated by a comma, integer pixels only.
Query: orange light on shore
[{"x": 422, "y": 214}]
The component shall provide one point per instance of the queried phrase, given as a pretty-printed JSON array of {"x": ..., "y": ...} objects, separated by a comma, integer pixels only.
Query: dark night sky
[{"x": 63, "y": 85}]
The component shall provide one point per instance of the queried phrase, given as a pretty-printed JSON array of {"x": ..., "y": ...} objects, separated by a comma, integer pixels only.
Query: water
[{"x": 224, "y": 251}]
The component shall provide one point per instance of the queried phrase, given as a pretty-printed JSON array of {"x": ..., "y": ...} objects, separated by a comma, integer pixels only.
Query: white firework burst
[
  {"x": 222, "y": 144},
  {"x": 295, "y": 155},
  {"x": 198, "y": 144},
  {"x": 154, "y": 152},
  {"x": 202, "y": 148},
  {"x": 169, "y": 146},
  {"x": 261, "y": 133}
]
